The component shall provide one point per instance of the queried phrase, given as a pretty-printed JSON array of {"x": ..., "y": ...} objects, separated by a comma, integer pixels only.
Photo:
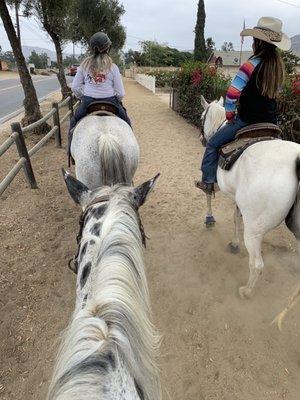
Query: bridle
[
  {"x": 202, "y": 124},
  {"x": 73, "y": 262}
]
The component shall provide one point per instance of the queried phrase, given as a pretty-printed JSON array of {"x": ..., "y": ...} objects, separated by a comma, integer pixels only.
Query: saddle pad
[
  {"x": 259, "y": 130},
  {"x": 231, "y": 152}
]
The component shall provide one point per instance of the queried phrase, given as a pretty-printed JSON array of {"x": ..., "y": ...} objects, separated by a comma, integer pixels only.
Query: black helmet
[{"x": 100, "y": 42}]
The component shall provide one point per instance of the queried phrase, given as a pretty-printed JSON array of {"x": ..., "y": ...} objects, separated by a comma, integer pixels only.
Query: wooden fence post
[
  {"x": 70, "y": 103},
  {"x": 22, "y": 150},
  {"x": 56, "y": 122}
]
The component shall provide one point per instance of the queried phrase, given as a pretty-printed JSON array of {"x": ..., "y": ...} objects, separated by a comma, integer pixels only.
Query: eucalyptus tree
[{"x": 55, "y": 20}]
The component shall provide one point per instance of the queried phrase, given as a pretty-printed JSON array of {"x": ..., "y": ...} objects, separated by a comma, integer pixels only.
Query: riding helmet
[{"x": 100, "y": 42}]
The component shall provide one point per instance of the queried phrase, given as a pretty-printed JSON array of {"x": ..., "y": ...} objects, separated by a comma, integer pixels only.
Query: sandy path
[{"x": 215, "y": 346}]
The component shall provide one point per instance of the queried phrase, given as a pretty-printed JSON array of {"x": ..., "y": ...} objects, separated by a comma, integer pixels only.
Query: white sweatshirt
[{"x": 100, "y": 86}]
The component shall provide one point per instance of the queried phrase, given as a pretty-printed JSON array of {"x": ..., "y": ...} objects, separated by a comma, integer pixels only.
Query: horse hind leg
[
  {"x": 234, "y": 245},
  {"x": 256, "y": 263}
]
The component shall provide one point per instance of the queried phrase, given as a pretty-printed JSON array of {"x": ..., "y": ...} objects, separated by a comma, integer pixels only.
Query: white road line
[
  {"x": 15, "y": 86},
  {"x": 17, "y": 112}
]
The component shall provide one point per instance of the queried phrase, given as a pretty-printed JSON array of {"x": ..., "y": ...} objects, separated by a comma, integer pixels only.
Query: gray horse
[{"x": 105, "y": 151}]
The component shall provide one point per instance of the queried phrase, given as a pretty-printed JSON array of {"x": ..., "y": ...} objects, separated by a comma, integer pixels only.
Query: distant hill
[
  {"x": 296, "y": 43},
  {"x": 27, "y": 50}
]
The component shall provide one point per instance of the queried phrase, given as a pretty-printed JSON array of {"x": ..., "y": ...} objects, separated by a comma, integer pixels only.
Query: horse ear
[
  {"x": 204, "y": 103},
  {"x": 78, "y": 191},
  {"x": 140, "y": 193},
  {"x": 221, "y": 101}
]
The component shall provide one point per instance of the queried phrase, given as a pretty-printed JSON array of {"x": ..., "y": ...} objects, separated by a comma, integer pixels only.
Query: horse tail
[
  {"x": 293, "y": 218},
  {"x": 113, "y": 166}
]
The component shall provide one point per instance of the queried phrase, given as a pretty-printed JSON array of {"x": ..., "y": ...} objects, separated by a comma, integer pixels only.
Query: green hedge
[
  {"x": 164, "y": 78},
  {"x": 194, "y": 79}
]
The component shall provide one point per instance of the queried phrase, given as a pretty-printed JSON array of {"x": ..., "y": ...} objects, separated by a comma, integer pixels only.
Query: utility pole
[
  {"x": 17, "y": 4},
  {"x": 73, "y": 52}
]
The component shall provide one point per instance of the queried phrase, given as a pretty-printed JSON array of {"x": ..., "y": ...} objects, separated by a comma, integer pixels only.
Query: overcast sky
[{"x": 173, "y": 22}]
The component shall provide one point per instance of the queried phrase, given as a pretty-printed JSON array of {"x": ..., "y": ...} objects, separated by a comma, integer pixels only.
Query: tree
[
  {"x": 200, "y": 53},
  {"x": 227, "y": 46},
  {"x": 156, "y": 55},
  {"x": 31, "y": 104},
  {"x": 54, "y": 17},
  {"x": 132, "y": 56},
  {"x": 210, "y": 45},
  {"x": 92, "y": 16},
  {"x": 8, "y": 56},
  {"x": 39, "y": 60}
]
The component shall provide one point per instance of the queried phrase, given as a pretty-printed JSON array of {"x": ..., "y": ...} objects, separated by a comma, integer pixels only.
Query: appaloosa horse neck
[
  {"x": 105, "y": 151},
  {"x": 264, "y": 183},
  {"x": 110, "y": 348}
]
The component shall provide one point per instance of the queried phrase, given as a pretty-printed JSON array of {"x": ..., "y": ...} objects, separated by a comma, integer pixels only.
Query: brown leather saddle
[
  {"x": 245, "y": 138},
  {"x": 102, "y": 108}
]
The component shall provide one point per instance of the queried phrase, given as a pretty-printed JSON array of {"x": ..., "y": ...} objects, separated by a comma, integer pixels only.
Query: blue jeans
[
  {"x": 223, "y": 136},
  {"x": 86, "y": 101}
]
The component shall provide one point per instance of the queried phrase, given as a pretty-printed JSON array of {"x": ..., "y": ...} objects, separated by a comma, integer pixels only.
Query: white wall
[{"x": 147, "y": 81}]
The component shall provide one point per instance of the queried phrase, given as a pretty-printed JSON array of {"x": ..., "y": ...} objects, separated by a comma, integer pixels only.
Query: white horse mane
[{"x": 116, "y": 320}]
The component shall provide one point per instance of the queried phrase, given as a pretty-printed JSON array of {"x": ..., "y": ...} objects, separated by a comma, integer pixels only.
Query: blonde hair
[
  {"x": 270, "y": 76},
  {"x": 99, "y": 62}
]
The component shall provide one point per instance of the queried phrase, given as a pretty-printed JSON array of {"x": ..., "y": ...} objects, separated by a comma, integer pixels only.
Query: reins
[{"x": 73, "y": 262}]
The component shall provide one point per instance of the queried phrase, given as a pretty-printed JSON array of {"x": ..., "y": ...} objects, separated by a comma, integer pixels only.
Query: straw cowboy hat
[{"x": 269, "y": 29}]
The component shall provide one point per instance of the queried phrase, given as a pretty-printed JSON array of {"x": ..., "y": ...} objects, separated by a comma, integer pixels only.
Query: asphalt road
[{"x": 12, "y": 96}]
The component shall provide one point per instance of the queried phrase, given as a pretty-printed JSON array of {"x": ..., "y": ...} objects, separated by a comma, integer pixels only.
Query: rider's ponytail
[
  {"x": 98, "y": 62},
  {"x": 270, "y": 75}
]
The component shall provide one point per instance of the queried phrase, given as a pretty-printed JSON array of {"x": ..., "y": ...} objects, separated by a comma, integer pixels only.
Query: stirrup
[{"x": 207, "y": 188}]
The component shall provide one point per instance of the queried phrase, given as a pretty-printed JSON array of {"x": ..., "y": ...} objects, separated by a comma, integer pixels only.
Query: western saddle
[
  {"x": 102, "y": 108},
  {"x": 245, "y": 138}
]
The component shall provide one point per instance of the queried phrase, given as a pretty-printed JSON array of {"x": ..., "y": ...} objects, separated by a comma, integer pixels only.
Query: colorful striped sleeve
[{"x": 237, "y": 85}]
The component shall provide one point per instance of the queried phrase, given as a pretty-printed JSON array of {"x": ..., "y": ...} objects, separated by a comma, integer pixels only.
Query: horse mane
[
  {"x": 214, "y": 118},
  {"x": 115, "y": 324}
]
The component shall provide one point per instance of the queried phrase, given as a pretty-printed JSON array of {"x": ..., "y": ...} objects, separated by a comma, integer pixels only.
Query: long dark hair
[{"x": 271, "y": 72}]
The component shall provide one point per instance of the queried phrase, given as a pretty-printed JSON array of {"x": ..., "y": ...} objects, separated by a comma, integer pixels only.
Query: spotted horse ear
[
  {"x": 77, "y": 190},
  {"x": 140, "y": 193}
]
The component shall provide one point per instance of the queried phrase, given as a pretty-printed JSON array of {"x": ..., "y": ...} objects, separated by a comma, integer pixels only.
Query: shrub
[
  {"x": 163, "y": 78},
  {"x": 196, "y": 79},
  {"x": 289, "y": 108}
]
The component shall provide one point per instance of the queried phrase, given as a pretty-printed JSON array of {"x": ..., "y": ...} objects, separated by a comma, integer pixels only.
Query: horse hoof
[
  {"x": 210, "y": 221},
  {"x": 233, "y": 248},
  {"x": 245, "y": 293}
]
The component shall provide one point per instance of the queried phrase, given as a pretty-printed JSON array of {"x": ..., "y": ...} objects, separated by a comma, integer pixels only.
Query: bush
[
  {"x": 289, "y": 108},
  {"x": 196, "y": 79},
  {"x": 164, "y": 78}
]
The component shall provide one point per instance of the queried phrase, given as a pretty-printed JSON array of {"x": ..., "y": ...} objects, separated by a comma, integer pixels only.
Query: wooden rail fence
[{"x": 17, "y": 137}]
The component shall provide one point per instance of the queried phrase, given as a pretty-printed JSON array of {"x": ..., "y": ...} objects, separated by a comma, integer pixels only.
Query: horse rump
[
  {"x": 113, "y": 166},
  {"x": 293, "y": 218}
]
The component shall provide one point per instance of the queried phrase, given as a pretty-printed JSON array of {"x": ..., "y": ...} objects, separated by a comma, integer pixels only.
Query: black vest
[{"x": 253, "y": 106}]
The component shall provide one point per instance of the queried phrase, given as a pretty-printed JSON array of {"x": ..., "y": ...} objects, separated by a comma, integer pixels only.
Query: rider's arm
[
  {"x": 237, "y": 85},
  {"x": 78, "y": 82},
  {"x": 118, "y": 83}
]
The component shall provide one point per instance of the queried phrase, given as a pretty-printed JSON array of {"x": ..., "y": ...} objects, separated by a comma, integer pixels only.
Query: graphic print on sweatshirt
[{"x": 97, "y": 78}]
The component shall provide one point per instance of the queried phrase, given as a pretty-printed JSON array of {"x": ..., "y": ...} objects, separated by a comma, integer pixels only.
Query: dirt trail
[{"x": 215, "y": 346}]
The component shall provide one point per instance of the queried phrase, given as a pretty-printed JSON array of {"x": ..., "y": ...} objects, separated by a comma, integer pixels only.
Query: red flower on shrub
[
  {"x": 296, "y": 85},
  {"x": 196, "y": 77}
]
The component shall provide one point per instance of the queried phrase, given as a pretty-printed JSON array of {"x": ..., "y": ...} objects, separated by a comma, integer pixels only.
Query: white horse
[
  {"x": 105, "y": 151},
  {"x": 109, "y": 350},
  {"x": 264, "y": 183}
]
